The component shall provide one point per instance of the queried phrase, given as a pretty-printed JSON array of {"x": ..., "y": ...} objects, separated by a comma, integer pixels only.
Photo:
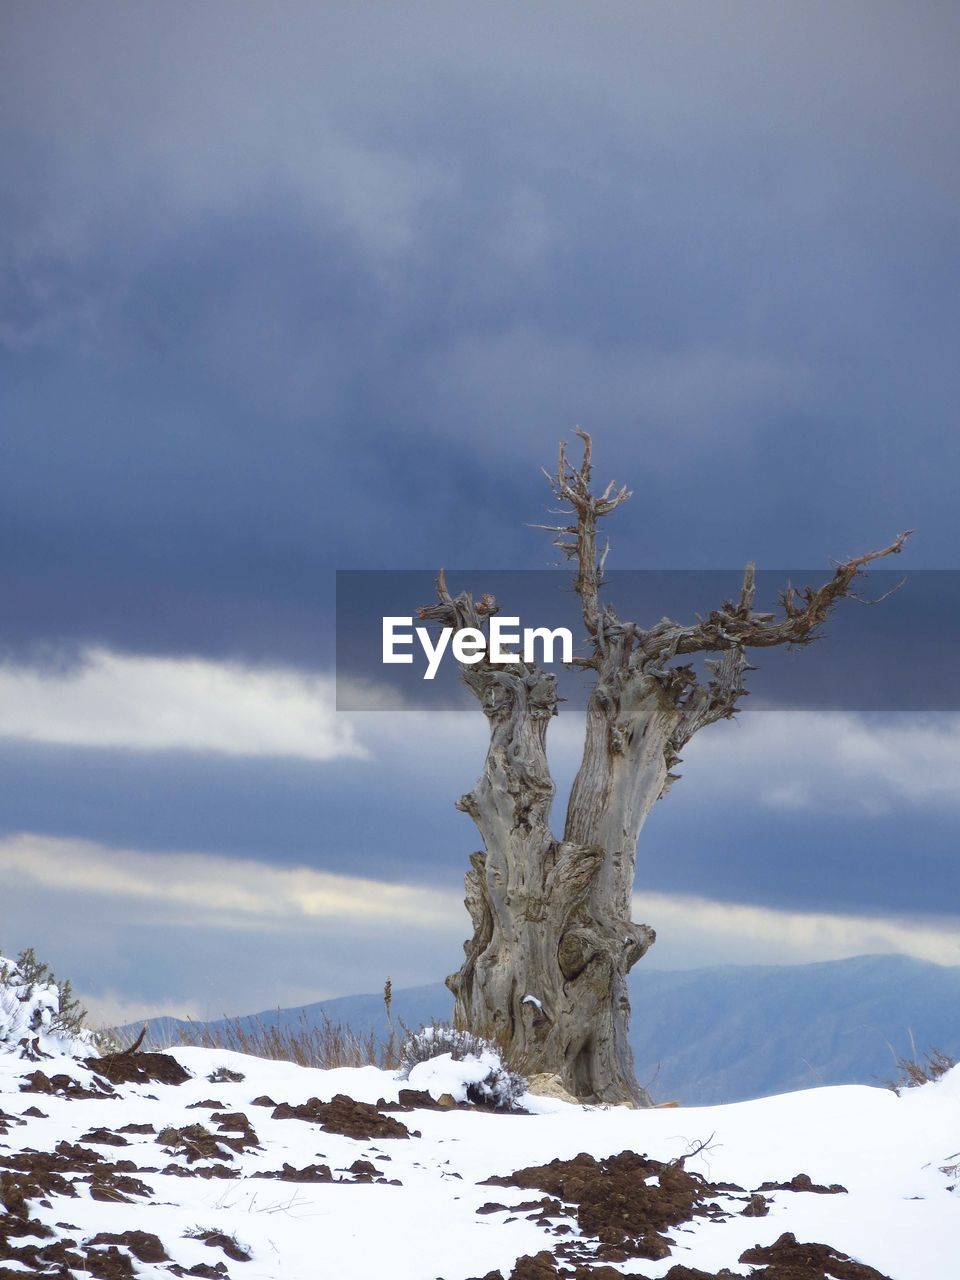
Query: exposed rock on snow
[{"x": 544, "y": 1085}]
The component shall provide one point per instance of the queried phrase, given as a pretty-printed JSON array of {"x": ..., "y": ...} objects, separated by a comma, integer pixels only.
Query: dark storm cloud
[{"x": 294, "y": 293}]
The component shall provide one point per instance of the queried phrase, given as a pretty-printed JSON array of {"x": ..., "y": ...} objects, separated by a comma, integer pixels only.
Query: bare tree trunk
[{"x": 545, "y": 972}]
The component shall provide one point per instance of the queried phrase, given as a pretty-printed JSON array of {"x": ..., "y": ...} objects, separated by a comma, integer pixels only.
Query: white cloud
[
  {"x": 189, "y": 704},
  {"x": 830, "y": 760},
  {"x": 110, "y": 1009},
  {"x": 238, "y": 896},
  {"x": 220, "y": 892},
  {"x": 693, "y": 931},
  {"x": 201, "y": 935}
]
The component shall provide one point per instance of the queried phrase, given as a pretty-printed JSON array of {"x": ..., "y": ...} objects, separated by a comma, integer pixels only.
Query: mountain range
[{"x": 706, "y": 1036}]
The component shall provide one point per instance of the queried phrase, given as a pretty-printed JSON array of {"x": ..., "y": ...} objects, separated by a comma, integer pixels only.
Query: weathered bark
[{"x": 545, "y": 971}]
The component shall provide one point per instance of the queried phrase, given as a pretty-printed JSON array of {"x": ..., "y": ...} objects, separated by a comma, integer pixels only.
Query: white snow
[
  {"x": 28, "y": 1018},
  {"x": 899, "y": 1215},
  {"x": 443, "y": 1074}
]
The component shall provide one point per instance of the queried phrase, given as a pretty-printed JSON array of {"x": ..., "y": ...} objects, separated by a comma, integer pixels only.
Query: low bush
[
  {"x": 38, "y": 1011},
  {"x": 500, "y": 1088}
]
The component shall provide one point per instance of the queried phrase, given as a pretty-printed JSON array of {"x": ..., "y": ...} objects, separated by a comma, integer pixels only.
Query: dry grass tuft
[
  {"x": 921, "y": 1070},
  {"x": 323, "y": 1044}
]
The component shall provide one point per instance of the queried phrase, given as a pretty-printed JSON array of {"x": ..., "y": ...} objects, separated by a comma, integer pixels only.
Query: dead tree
[{"x": 545, "y": 973}]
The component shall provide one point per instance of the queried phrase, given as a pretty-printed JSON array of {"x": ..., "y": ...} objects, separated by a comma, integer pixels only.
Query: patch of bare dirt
[
  {"x": 144, "y": 1246},
  {"x": 64, "y": 1086},
  {"x": 138, "y": 1068},
  {"x": 104, "y": 1138},
  {"x": 41, "y": 1174},
  {"x": 788, "y": 1259},
  {"x": 625, "y": 1206},
  {"x": 420, "y": 1100},
  {"x": 344, "y": 1116},
  {"x": 65, "y": 1258},
  {"x": 6, "y": 1122},
  {"x": 802, "y": 1182},
  {"x": 219, "y": 1240},
  {"x": 215, "y": 1170},
  {"x": 216, "y": 1272},
  {"x": 196, "y": 1142},
  {"x": 311, "y": 1173},
  {"x": 627, "y": 1202},
  {"x": 236, "y": 1122}
]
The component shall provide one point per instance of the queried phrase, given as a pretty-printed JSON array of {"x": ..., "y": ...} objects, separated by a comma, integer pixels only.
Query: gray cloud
[{"x": 213, "y": 936}]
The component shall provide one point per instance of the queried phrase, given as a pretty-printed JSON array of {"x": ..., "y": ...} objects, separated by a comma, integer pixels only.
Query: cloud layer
[
  {"x": 235, "y": 935},
  {"x": 110, "y": 699}
]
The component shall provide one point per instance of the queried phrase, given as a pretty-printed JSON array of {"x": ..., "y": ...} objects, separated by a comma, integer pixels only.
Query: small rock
[{"x": 544, "y": 1085}]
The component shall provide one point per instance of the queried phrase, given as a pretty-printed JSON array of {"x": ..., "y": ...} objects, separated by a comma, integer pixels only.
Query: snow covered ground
[{"x": 415, "y": 1216}]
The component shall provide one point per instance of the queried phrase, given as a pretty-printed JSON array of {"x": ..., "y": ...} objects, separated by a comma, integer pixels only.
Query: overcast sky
[{"x": 288, "y": 289}]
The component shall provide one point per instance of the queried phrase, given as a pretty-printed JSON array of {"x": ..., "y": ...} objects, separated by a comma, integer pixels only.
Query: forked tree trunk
[{"x": 545, "y": 972}]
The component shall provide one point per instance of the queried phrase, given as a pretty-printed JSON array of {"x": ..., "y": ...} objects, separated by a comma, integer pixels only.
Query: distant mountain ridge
[{"x": 706, "y": 1036}]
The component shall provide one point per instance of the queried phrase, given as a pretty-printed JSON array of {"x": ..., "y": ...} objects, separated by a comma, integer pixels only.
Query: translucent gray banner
[{"x": 901, "y": 653}]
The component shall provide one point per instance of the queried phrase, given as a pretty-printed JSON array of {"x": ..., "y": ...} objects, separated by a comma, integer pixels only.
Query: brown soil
[
  {"x": 196, "y": 1142},
  {"x": 63, "y": 1086},
  {"x": 627, "y": 1203},
  {"x": 788, "y": 1260},
  {"x": 217, "y": 1272},
  {"x": 215, "y": 1170},
  {"x": 419, "y": 1099},
  {"x": 613, "y": 1202},
  {"x": 312, "y": 1173},
  {"x": 6, "y": 1121},
  {"x": 236, "y": 1122},
  {"x": 144, "y": 1246},
  {"x": 784, "y": 1260},
  {"x": 802, "y": 1182},
  {"x": 104, "y": 1138},
  {"x": 218, "y": 1240},
  {"x": 66, "y": 1257},
  {"x": 37, "y": 1175},
  {"x": 138, "y": 1068},
  {"x": 342, "y": 1115}
]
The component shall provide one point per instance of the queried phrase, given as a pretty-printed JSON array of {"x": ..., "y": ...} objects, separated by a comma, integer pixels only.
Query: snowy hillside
[{"x": 207, "y": 1163}]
